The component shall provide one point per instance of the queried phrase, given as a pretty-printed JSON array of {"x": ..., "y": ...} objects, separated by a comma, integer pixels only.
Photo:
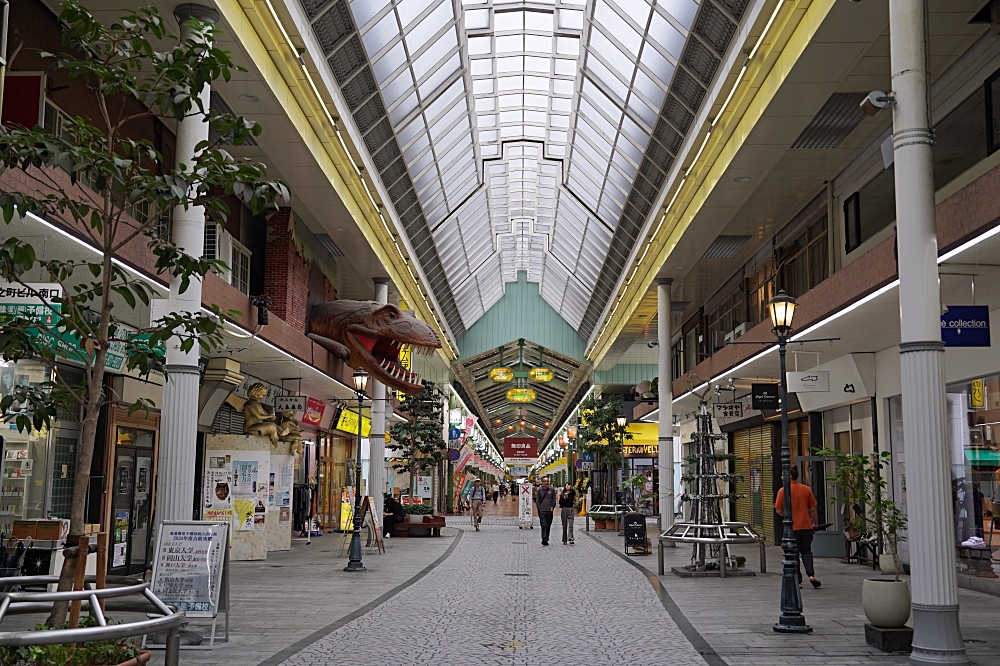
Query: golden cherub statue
[{"x": 257, "y": 419}]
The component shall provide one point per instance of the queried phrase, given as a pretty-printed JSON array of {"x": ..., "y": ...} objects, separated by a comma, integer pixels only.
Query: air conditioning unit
[{"x": 736, "y": 333}]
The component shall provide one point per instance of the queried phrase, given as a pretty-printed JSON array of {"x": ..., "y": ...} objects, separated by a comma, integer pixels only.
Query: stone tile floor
[{"x": 498, "y": 597}]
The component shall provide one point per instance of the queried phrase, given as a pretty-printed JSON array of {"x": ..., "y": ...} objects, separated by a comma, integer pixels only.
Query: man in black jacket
[
  {"x": 545, "y": 500},
  {"x": 394, "y": 515}
]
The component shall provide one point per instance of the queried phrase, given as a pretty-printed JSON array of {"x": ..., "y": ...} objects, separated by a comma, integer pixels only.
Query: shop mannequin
[{"x": 257, "y": 419}]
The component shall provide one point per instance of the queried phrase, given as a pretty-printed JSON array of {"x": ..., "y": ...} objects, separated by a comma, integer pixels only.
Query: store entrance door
[{"x": 130, "y": 513}]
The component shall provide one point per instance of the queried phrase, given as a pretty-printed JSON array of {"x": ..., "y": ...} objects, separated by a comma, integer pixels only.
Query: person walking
[
  {"x": 805, "y": 519},
  {"x": 495, "y": 490},
  {"x": 513, "y": 491},
  {"x": 545, "y": 500},
  {"x": 567, "y": 510},
  {"x": 478, "y": 497}
]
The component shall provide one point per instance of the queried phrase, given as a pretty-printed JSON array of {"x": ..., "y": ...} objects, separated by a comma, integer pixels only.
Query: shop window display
[
  {"x": 973, "y": 429},
  {"x": 25, "y": 455}
]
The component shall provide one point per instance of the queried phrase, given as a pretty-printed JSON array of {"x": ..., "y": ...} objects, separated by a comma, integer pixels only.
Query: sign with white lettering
[
  {"x": 814, "y": 381},
  {"x": 191, "y": 557},
  {"x": 764, "y": 396},
  {"x": 966, "y": 326},
  {"x": 728, "y": 410}
]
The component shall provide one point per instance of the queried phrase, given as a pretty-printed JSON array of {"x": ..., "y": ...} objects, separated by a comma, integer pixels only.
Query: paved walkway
[{"x": 497, "y": 597}]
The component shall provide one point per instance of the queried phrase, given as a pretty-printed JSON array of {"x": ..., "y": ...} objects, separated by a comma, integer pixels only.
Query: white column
[
  {"x": 937, "y": 636},
  {"x": 666, "y": 420},
  {"x": 179, "y": 414},
  {"x": 376, "y": 447}
]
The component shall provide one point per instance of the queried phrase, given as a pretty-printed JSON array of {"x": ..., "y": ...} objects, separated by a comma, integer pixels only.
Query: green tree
[
  {"x": 419, "y": 439},
  {"x": 118, "y": 187},
  {"x": 601, "y": 434}
]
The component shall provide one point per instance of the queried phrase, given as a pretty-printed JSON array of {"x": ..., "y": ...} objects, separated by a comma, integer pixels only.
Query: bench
[{"x": 419, "y": 526}]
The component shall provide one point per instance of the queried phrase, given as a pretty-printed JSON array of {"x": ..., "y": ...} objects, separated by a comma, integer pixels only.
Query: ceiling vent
[
  {"x": 725, "y": 247},
  {"x": 678, "y": 307},
  {"x": 834, "y": 122},
  {"x": 329, "y": 245}
]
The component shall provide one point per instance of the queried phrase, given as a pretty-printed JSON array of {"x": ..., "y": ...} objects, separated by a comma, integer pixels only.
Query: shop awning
[{"x": 982, "y": 457}]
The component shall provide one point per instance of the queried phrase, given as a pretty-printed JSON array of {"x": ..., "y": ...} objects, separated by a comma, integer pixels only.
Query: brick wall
[{"x": 286, "y": 273}]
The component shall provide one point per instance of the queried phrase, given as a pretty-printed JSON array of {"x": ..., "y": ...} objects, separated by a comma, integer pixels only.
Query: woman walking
[{"x": 567, "y": 510}]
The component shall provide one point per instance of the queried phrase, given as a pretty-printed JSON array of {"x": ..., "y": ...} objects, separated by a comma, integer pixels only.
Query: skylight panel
[
  {"x": 422, "y": 32},
  {"x": 682, "y": 10},
  {"x": 379, "y": 35},
  {"x": 448, "y": 69},
  {"x": 477, "y": 19},
  {"x": 508, "y": 21},
  {"x": 666, "y": 35},
  {"x": 570, "y": 19},
  {"x": 392, "y": 60},
  {"x": 613, "y": 24}
]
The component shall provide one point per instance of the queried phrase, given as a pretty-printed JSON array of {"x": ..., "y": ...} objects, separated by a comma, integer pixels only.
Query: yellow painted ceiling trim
[
  {"x": 255, "y": 27},
  {"x": 792, "y": 33}
]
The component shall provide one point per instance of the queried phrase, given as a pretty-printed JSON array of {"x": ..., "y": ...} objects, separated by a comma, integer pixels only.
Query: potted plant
[
  {"x": 118, "y": 652},
  {"x": 887, "y": 602},
  {"x": 601, "y": 520}
]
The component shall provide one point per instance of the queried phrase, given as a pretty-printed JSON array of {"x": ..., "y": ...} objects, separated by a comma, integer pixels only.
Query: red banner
[{"x": 520, "y": 447}]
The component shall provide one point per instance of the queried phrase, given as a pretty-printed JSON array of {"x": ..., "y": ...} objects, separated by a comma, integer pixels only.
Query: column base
[{"x": 937, "y": 636}]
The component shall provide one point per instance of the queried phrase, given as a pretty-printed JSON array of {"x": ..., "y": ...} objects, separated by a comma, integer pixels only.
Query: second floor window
[
  {"x": 805, "y": 259},
  {"x": 239, "y": 268}
]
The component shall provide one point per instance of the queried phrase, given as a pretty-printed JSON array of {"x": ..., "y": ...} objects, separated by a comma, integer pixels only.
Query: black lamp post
[
  {"x": 622, "y": 422},
  {"x": 354, "y": 563},
  {"x": 791, "y": 621}
]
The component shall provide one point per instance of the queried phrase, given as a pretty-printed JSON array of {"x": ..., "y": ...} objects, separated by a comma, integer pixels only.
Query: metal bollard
[
  {"x": 173, "y": 652},
  {"x": 588, "y": 522},
  {"x": 659, "y": 554}
]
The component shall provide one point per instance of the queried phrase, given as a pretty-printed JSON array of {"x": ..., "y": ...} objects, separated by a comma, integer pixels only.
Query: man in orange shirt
[{"x": 804, "y": 521}]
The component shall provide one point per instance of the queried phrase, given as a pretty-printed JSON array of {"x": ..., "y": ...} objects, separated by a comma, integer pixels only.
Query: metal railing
[{"x": 25, "y": 603}]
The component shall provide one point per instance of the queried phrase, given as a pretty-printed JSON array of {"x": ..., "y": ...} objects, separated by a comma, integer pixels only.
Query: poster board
[
  {"x": 190, "y": 565},
  {"x": 525, "y": 496},
  {"x": 368, "y": 511}
]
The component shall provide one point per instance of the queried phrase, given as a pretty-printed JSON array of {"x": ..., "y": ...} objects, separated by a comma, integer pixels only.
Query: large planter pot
[
  {"x": 887, "y": 563},
  {"x": 886, "y": 602},
  {"x": 599, "y": 524}
]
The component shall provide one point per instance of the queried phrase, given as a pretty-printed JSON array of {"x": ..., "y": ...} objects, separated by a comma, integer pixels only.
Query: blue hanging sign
[{"x": 966, "y": 326}]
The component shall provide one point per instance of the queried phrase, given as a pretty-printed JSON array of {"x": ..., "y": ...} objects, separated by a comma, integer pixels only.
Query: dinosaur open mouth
[{"x": 385, "y": 353}]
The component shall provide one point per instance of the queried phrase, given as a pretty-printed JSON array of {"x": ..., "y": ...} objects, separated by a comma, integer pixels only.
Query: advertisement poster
[
  {"x": 284, "y": 515},
  {"x": 280, "y": 495},
  {"x": 187, "y": 571},
  {"x": 245, "y": 493},
  {"x": 314, "y": 411},
  {"x": 243, "y": 511},
  {"x": 524, "y": 504},
  {"x": 218, "y": 491},
  {"x": 121, "y": 539}
]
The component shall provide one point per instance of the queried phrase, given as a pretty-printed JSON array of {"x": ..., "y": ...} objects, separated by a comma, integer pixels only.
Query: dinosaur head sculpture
[{"x": 366, "y": 334}]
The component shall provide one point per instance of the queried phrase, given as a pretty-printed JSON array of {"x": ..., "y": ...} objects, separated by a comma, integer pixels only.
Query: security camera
[
  {"x": 653, "y": 343},
  {"x": 875, "y": 101}
]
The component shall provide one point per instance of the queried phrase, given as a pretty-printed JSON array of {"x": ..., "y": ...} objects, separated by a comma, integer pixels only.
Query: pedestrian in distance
[
  {"x": 478, "y": 497},
  {"x": 495, "y": 490},
  {"x": 567, "y": 511},
  {"x": 513, "y": 491},
  {"x": 545, "y": 500},
  {"x": 805, "y": 519}
]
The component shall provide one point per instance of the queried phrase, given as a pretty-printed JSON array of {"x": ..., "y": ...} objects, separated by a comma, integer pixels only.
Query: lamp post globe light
[
  {"x": 791, "y": 621},
  {"x": 354, "y": 563}
]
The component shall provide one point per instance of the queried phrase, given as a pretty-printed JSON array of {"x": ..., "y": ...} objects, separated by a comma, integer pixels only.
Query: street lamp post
[
  {"x": 354, "y": 563},
  {"x": 622, "y": 422},
  {"x": 791, "y": 621}
]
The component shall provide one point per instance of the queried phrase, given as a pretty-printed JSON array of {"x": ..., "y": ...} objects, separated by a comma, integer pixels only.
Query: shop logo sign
[
  {"x": 966, "y": 326},
  {"x": 815, "y": 381},
  {"x": 764, "y": 396}
]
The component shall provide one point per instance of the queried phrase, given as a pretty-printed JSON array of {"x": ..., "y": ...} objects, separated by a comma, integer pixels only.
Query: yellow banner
[{"x": 348, "y": 422}]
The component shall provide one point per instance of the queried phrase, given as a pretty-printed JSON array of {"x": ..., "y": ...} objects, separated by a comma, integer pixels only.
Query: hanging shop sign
[
  {"x": 977, "y": 395},
  {"x": 348, "y": 422},
  {"x": 814, "y": 381},
  {"x": 728, "y": 410},
  {"x": 521, "y": 395},
  {"x": 541, "y": 375},
  {"x": 966, "y": 326},
  {"x": 641, "y": 450},
  {"x": 520, "y": 447},
  {"x": 314, "y": 411},
  {"x": 501, "y": 375},
  {"x": 455, "y": 417},
  {"x": 290, "y": 403},
  {"x": 764, "y": 396}
]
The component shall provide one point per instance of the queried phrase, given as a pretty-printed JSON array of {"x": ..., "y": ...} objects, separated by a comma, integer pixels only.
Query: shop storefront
[
  {"x": 973, "y": 431},
  {"x": 642, "y": 459}
]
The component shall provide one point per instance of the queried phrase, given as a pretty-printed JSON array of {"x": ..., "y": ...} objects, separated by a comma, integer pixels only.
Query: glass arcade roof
[{"x": 513, "y": 135}]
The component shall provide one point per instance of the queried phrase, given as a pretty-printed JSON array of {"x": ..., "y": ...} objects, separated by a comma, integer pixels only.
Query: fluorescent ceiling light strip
[
  {"x": 760, "y": 40},
  {"x": 968, "y": 244},
  {"x": 82, "y": 243},
  {"x": 850, "y": 308}
]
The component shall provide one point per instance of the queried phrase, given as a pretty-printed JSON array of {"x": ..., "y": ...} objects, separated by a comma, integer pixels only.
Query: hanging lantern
[
  {"x": 541, "y": 375},
  {"x": 501, "y": 375},
  {"x": 521, "y": 395}
]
